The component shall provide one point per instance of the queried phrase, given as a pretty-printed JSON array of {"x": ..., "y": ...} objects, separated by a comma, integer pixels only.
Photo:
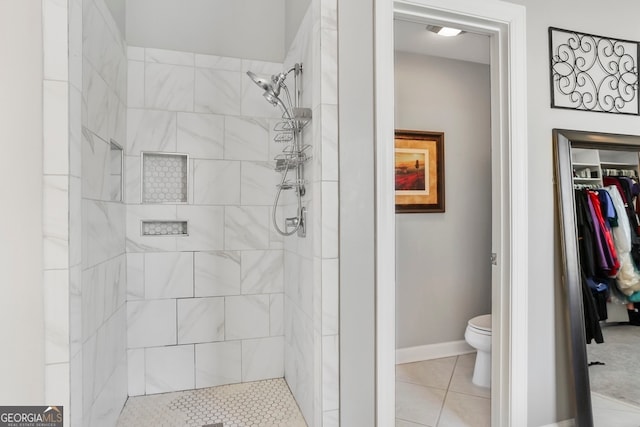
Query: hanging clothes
[{"x": 628, "y": 278}]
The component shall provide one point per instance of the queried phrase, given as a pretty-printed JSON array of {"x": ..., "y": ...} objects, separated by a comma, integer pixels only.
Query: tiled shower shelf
[
  {"x": 165, "y": 228},
  {"x": 164, "y": 177}
]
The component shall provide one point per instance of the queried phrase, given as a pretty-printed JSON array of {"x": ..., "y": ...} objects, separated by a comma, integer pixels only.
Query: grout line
[{"x": 446, "y": 393}]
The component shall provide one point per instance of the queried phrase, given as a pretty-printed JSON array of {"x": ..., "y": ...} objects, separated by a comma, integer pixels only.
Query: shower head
[
  {"x": 262, "y": 82},
  {"x": 274, "y": 85},
  {"x": 271, "y": 97}
]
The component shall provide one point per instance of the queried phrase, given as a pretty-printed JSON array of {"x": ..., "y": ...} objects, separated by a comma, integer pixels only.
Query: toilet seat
[{"x": 481, "y": 324}]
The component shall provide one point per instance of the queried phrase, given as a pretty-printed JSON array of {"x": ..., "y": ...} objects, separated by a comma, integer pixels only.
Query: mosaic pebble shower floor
[{"x": 266, "y": 403}]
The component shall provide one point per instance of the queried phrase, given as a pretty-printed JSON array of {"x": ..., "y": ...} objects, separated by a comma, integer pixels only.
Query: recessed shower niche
[
  {"x": 165, "y": 228},
  {"x": 165, "y": 177}
]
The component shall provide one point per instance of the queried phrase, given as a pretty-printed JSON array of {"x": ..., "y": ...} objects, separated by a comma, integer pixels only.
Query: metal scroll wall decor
[{"x": 593, "y": 73}]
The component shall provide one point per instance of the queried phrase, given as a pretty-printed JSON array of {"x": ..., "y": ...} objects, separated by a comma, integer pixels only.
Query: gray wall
[
  {"x": 357, "y": 213},
  {"x": 21, "y": 316},
  {"x": 250, "y": 29},
  {"x": 443, "y": 274}
]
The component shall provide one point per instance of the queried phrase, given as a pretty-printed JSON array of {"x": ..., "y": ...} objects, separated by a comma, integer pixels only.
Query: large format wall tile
[
  {"x": 217, "y": 273},
  {"x": 135, "y": 365},
  {"x": 151, "y": 323},
  {"x": 217, "y": 91},
  {"x": 54, "y": 37},
  {"x": 206, "y": 228},
  {"x": 246, "y": 227},
  {"x": 135, "y": 276},
  {"x": 96, "y": 97},
  {"x": 55, "y": 227},
  {"x": 104, "y": 231},
  {"x": 55, "y": 120},
  {"x": 200, "y": 320},
  {"x": 247, "y": 317},
  {"x": 258, "y": 183},
  {"x": 218, "y": 363},
  {"x": 201, "y": 135},
  {"x": 246, "y": 138},
  {"x": 330, "y": 373},
  {"x": 216, "y": 182},
  {"x": 169, "y": 368},
  {"x": 262, "y": 358},
  {"x": 56, "y": 316},
  {"x": 168, "y": 87},
  {"x": 262, "y": 272},
  {"x": 150, "y": 130},
  {"x": 168, "y": 275},
  {"x": 135, "y": 87},
  {"x": 276, "y": 314},
  {"x": 164, "y": 56},
  {"x": 95, "y": 166},
  {"x": 218, "y": 62}
]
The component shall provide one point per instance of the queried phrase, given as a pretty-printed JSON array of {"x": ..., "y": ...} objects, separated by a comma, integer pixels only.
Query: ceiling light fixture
[{"x": 444, "y": 31}]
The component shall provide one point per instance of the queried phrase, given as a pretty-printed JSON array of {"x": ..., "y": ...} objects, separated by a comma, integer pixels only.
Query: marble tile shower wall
[
  {"x": 98, "y": 291},
  {"x": 312, "y": 264},
  {"x": 60, "y": 254},
  {"x": 203, "y": 309}
]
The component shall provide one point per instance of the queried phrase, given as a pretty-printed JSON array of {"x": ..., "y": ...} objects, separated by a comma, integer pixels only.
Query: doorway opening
[
  {"x": 505, "y": 26},
  {"x": 443, "y": 270}
]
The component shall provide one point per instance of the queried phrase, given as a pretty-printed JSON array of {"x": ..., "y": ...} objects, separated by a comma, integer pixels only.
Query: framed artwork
[
  {"x": 419, "y": 171},
  {"x": 593, "y": 73}
]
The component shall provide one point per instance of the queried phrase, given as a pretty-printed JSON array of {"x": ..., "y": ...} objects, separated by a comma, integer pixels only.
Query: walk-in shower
[{"x": 288, "y": 132}]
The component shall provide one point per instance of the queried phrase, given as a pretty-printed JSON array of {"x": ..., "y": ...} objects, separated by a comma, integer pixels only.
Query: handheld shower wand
[{"x": 293, "y": 156}]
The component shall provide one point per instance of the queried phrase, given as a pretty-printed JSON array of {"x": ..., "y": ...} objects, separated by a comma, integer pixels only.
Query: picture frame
[{"x": 419, "y": 171}]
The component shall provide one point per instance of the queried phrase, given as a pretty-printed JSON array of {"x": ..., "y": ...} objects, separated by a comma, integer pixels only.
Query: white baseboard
[
  {"x": 565, "y": 423},
  {"x": 432, "y": 351}
]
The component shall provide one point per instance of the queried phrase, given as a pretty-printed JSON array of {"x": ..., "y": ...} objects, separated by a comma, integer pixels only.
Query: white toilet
[{"x": 478, "y": 336}]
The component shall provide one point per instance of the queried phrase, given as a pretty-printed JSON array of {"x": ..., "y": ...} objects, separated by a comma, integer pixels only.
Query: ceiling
[
  {"x": 408, "y": 36},
  {"x": 251, "y": 29},
  {"x": 414, "y": 38}
]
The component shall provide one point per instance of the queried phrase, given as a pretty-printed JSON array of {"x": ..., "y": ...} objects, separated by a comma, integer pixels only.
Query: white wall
[
  {"x": 548, "y": 344},
  {"x": 250, "y": 29},
  {"x": 443, "y": 273},
  {"x": 21, "y": 314}
]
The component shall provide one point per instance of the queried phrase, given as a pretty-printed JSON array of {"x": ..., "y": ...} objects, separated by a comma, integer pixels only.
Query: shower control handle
[{"x": 298, "y": 222}]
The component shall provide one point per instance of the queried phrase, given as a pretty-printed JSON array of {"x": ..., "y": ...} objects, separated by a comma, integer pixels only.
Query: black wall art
[{"x": 593, "y": 73}]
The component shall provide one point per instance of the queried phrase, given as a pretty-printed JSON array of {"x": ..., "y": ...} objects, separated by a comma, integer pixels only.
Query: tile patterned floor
[
  {"x": 439, "y": 393},
  {"x": 266, "y": 403}
]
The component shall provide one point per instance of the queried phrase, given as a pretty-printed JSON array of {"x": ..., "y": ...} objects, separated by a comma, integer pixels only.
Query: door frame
[{"x": 505, "y": 23}]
